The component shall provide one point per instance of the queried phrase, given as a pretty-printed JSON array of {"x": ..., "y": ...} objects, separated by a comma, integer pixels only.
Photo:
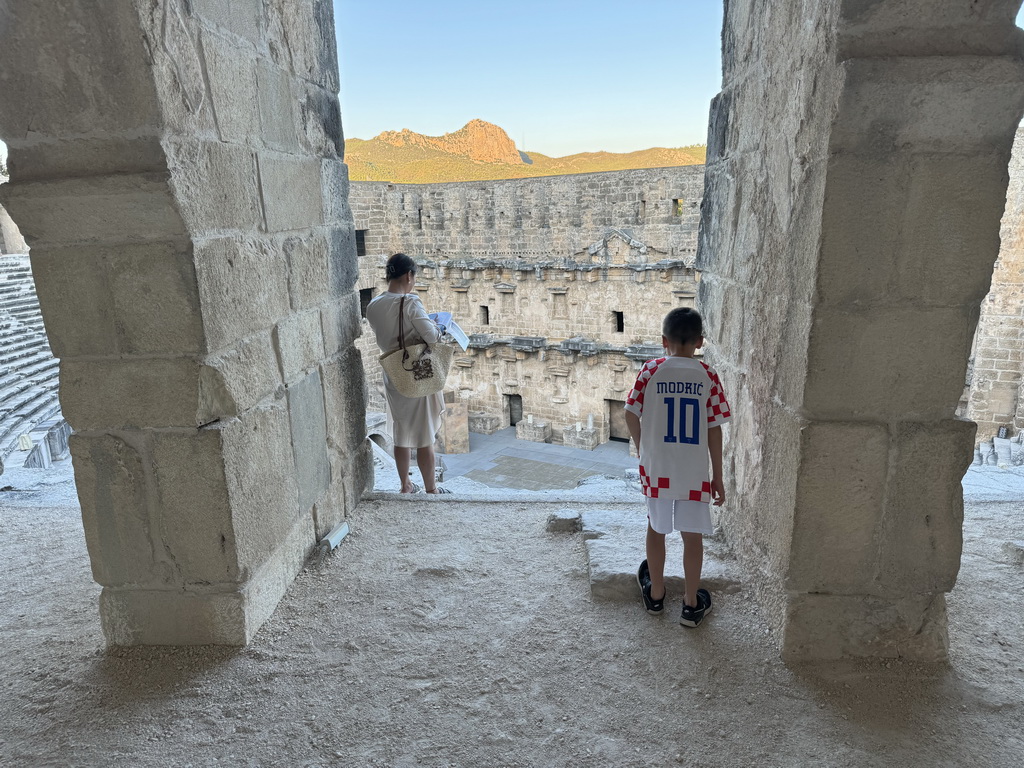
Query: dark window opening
[
  {"x": 419, "y": 217},
  {"x": 620, "y": 322},
  {"x": 515, "y": 409},
  {"x": 485, "y": 315},
  {"x": 360, "y": 242},
  {"x": 643, "y": 210},
  {"x": 677, "y": 207},
  {"x": 365, "y": 296}
]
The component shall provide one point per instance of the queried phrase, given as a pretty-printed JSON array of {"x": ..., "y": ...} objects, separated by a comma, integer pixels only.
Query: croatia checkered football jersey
[{"x": 677, "y": 399}]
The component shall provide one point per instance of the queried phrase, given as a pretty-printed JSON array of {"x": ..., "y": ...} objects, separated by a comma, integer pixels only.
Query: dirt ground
[{"x": 446, "y": 633}]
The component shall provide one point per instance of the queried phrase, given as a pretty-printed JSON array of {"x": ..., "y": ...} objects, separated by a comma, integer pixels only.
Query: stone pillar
[
  {"x": 995, "y": 395},
  {"x": 856, "y": 174},
  {"x": 177, "y": 168}
]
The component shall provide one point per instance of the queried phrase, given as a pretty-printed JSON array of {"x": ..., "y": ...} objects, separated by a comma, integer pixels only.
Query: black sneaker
[
  {"x": 643, "y": 578},
  {"x": 692, "y": 617}
]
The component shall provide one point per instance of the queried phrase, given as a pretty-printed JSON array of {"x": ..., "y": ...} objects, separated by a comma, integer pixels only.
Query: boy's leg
[
  {"x": 427, "y": 463},
  {"x": 693, "y": 561},
  {"x": 656, "y": 562}
]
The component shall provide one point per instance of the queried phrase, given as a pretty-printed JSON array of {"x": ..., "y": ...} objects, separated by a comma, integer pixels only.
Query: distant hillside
[{"x": 483, "y": 151}]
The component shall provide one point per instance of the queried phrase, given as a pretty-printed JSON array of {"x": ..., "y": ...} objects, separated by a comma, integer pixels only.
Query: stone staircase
[{"x": 28, "y": 369}]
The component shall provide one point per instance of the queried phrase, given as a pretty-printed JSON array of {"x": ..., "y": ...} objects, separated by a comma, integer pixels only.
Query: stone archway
[
  {"x": 177, "y": 169},
  {"x": 857, "y": 168}
]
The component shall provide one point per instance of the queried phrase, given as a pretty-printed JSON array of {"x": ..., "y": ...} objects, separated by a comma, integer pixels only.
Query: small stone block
[
  {"x": 1014, "y": 550},
  {"x": 564, "y": 521}
]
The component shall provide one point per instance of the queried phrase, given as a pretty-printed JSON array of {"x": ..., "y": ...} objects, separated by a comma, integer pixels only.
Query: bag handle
[{"x": 401, "y": 333}]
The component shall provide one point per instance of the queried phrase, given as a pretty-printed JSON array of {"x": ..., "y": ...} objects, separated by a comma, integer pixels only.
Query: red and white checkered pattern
[
  {"x": 652, "y": 486},
  {"x": 636, "y": 396},
  {"x": 717, "y": 405},
  {"x": 703, "y": 495}
]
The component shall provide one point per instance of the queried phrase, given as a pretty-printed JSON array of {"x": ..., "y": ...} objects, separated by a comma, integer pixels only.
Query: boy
[{"x": 675, "y": 415}]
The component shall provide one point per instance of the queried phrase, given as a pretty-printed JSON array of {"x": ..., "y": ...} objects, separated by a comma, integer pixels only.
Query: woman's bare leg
[
  {"x": 402, "y": 458},
  {"x": 427, "y": 463}
]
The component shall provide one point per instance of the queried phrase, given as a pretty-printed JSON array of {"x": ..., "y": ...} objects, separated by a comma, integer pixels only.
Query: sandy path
[{"x": 461, "y": 634}]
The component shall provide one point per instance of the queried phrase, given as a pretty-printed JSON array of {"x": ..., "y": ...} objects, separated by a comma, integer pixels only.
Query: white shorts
[{"x": 667, "y": 515}]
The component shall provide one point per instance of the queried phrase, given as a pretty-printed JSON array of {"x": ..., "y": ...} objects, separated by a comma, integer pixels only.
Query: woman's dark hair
[{"x": 399, "y": 265}]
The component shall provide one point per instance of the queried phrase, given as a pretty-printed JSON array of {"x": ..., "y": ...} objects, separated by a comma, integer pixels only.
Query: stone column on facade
[
  {"x": 856, "y": 176},
  {"x": 996, "y": 381},
  {"x": 177, "y": 169}
]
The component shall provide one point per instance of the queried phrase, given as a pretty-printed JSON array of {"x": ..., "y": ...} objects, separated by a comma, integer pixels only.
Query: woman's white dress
[{"x": 412, "y": 421}]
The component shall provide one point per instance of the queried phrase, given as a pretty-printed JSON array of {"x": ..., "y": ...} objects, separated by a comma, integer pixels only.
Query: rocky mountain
[{"x": 481, "y": 151}]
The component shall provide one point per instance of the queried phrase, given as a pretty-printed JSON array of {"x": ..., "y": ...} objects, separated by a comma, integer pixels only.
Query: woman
[{"x": 412, "y": 421}]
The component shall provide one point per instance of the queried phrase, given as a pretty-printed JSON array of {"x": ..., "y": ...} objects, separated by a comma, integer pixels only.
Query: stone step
[
  {"x": 614, "y": 540},
  {"x": 42, "y": 406}
]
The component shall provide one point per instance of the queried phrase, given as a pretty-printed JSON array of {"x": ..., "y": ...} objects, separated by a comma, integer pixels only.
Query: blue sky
[{"x": 568, "y": 76}]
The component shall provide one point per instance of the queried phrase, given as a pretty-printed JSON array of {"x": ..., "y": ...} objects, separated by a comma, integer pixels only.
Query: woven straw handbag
[{"x": 417, "y": 370}]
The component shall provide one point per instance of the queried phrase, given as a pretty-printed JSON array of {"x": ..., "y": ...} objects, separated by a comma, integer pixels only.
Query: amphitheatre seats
[{"x": 28, "y": 369}]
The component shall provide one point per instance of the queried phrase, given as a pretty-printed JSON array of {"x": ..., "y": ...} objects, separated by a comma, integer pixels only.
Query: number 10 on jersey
[{"x": 684, "y": 418}]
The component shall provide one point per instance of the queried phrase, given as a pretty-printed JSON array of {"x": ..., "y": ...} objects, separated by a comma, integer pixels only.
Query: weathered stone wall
[
  {"x": 532, "y": 219},
  {"x": 179, "y": 176},
  {"x": 996, "y": 397},
  {"x": 553, "y": 259},
  {"x": 856, "y": 170}
]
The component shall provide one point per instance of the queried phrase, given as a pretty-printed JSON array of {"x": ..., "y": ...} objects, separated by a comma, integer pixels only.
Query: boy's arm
[
  {"x": 717, "y": 480},
  {"x": 633, "y": 425}
]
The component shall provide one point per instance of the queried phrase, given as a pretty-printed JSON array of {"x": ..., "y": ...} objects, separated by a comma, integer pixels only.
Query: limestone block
[
  {"x": 233, "y": 88},
  {"x": 1014, "y": 551},
  {"x": 454, "y": 434},
  {"x": 1003, "y": 451},
  {"x": 538, "y": 432},
  {"x": 129, "y": 392},
  {"x": 584, "y": 439},
  {"x": 915, "y": 232},
  {"x": 943, "y": 103},
  {"x": 309, "y": 439},
  {"x": 343, "y": 265},
  {"x": 344, "y": 400},
  {"x": 156, "y": 299},
  {"x": 110, "y": 476},
  {"x": 335, "y": 190},
  {"x": 275, "y": 106},
  {"x": 163, "y": 617},
  {"x": 92, "y": 46},
  {"x": 243, "y": 288},
  {"x": 851, "y": 369},
  {"x": 307, "y": 270},
  {"x": 319, "y": 121},
  {"x": 194, "y": 511},
  {"x": 79, "y": 313},
  {"x": 341, "y": 325},
  {"x": 921, "y": 536},
  {"x": 564, "y": 521},
  {"x": 215, "y": 184},
  {"x": 841, "y": 486},
  {"x": 820, "y": 627},
  {"x": 306, "y": 35},
  {"x": 240, "y": 17},
  {"x": 260, "y": 471},
  {"x": 299, "y": 343},
  {"x": 291, "y": 191},
  {"x": 99, "y": 209},
  {"x": 238, "y": 378}
]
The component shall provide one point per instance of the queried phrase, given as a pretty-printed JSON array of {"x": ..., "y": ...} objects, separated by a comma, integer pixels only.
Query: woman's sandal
[{"x": 439, "y": 491}]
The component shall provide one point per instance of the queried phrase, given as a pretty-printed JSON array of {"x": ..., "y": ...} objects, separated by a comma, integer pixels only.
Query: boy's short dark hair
[{"x": 683, "y": 326}]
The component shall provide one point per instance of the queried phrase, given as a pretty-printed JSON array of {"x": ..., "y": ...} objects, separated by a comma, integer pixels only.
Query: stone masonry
[
  {"x": 562, "y": 282},
  {"x": 857, "y": 168},
  {"x": 177, "y": 168}
]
